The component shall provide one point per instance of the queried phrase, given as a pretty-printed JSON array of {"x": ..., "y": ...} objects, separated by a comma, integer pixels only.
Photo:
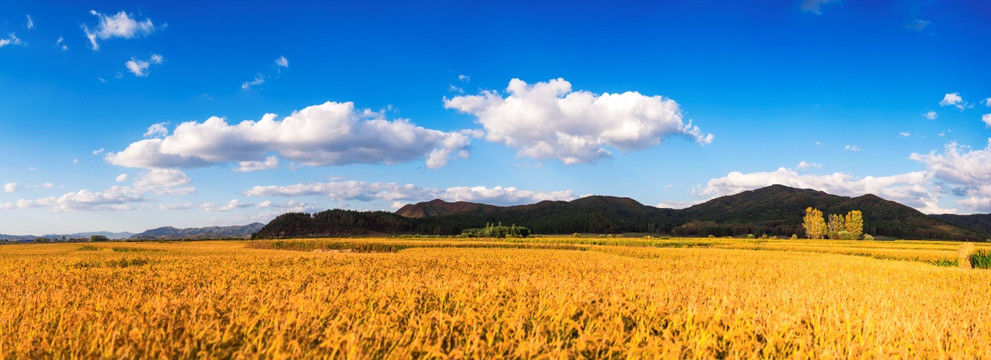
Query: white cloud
[
  {"x": 231, "y": 205},
  {"x": 805, "y": 165},
  {"x": 812, "y": 6},
  {"x": 139, "y": 67},
  {"x": 47, "y": 185},
  {"x": 464, "y": 78},
  {"x": 60, "y": 43},
  {"x": 976, "y": 203},
  {"x": 967, "y": 171},
  {"x": 156, "y": 130},
  {"x": 11, "y": 187},
  {"x": 120, "y": 25},
  {"x": 550, "y": 120},
  {"x": 852, "y": 148},
  {"x": 904, "y": 134},
  {"x": 327, "y": 134},
  {"x": 122, "y": 178},
  {"x": 668, "y": 186},
  {"x": 953, "y": 99},
  {"x": 25, "y": 203},
  {"x": 10, "y": 40},
  {"x": 363, "y": 191},
  {"x": 30, "y": 22},
  {"x": 180, "y": 206},
  {"x": 270, "y": 163},
  {"x": 931, "y": 115},
  {"x": 259, "y": 79},
  {"x": 986, "y": 118},
  {"x": 164, "y": 181},
  {"x": 987, "y": 102},
  {"x": 913, "y": 189},
  {"x": 75, "y": 161},
  {"x": 282, "y": 62},
  {"x": 98, "y": 151},
  {"x": 116, "y": 198},
  {"x": 264, "y": 204}
]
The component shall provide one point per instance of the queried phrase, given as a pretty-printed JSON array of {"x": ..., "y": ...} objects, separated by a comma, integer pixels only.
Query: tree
[
  {"x": 814, "y": 224},
  {"x": 98, "y": 238},
  {"x": 855, "y": 223},
  {"x": 835, "y": 225}
]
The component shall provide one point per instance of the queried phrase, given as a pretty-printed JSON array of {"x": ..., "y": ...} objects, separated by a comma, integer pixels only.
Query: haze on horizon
[{"x": 126, "y": 116}]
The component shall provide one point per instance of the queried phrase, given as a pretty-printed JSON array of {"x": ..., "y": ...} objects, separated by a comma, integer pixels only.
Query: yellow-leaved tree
[
  {"x": 855, "y": 223},
  {"x": 814, "y": 224}
]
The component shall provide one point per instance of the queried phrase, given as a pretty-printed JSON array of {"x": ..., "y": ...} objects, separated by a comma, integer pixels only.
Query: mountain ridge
[{"x": 773, "y": 210}]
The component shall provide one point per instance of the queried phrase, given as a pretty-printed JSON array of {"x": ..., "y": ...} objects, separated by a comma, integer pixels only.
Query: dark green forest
[{"x": 773, "y": 211}]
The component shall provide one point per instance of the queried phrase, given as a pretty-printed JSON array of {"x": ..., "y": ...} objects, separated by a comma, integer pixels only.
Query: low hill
[
  {"x": 774, "y": 210},
  {"x": 212, "y": 232},
  {"x": 779, "y": 210},
  {"x": 977, "y": 222},
  {"x": 440, "y": 208}
]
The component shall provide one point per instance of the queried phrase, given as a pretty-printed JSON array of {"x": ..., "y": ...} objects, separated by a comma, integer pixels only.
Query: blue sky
[{"x": 124, "y": 116}]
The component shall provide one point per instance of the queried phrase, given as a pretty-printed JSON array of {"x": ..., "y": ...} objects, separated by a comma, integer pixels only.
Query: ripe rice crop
[{"x": 443, "y": 298}]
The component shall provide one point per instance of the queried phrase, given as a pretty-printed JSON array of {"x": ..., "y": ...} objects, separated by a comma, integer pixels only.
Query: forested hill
[{"x": 774, "y": 210}]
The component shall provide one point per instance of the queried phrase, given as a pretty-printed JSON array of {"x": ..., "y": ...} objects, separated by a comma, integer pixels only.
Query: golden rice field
[{"x": 519, "y": 298}]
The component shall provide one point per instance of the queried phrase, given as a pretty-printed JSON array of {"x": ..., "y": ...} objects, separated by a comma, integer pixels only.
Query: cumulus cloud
[
  {"x": 327, "y": 134},
  {"x": 282, "y": 62},
  {"x": 904, "y": 134},
  {"x": 231, "y": 205},
  {"x": 139, "y": 67},
  {"x": 157, "y": 130},
  {"x": 805, "y": 165},
  {"x": 550, "y": 120},
  {"x": 931, "y": 115},
  {"x": 30, "y": 22},
  {"x": 812, "y": 6},
  {"x": 11, "y": 39},
  {"x": 852, "y": 148},
  {"x": 164, "y": 181},
  {"x": 953, "y": 99},
  {"x": 60, "y": 43},
  {"x": 967, "y": 171},
  {"x": 11, "y": 187},
  {"x": 270, "y": 163},
  {"x": 363, "y": 191},
  {"x": 120, "y": 25},
  {"x": 986, "y": 118},
  {"x": 913, "y": 189},
  {"x": 117, "y": 198},
  {"x": 987, "y": 102},
  {"x": 25, "y": 203}
]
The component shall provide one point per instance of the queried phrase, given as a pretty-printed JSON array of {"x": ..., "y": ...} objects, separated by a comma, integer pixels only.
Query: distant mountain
[
  {"x": 774, "y": 210},
  {"x": 108, "y": 234},
  {"x": 212, "y": 232},
  {"x": 977, "y": 222}
]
